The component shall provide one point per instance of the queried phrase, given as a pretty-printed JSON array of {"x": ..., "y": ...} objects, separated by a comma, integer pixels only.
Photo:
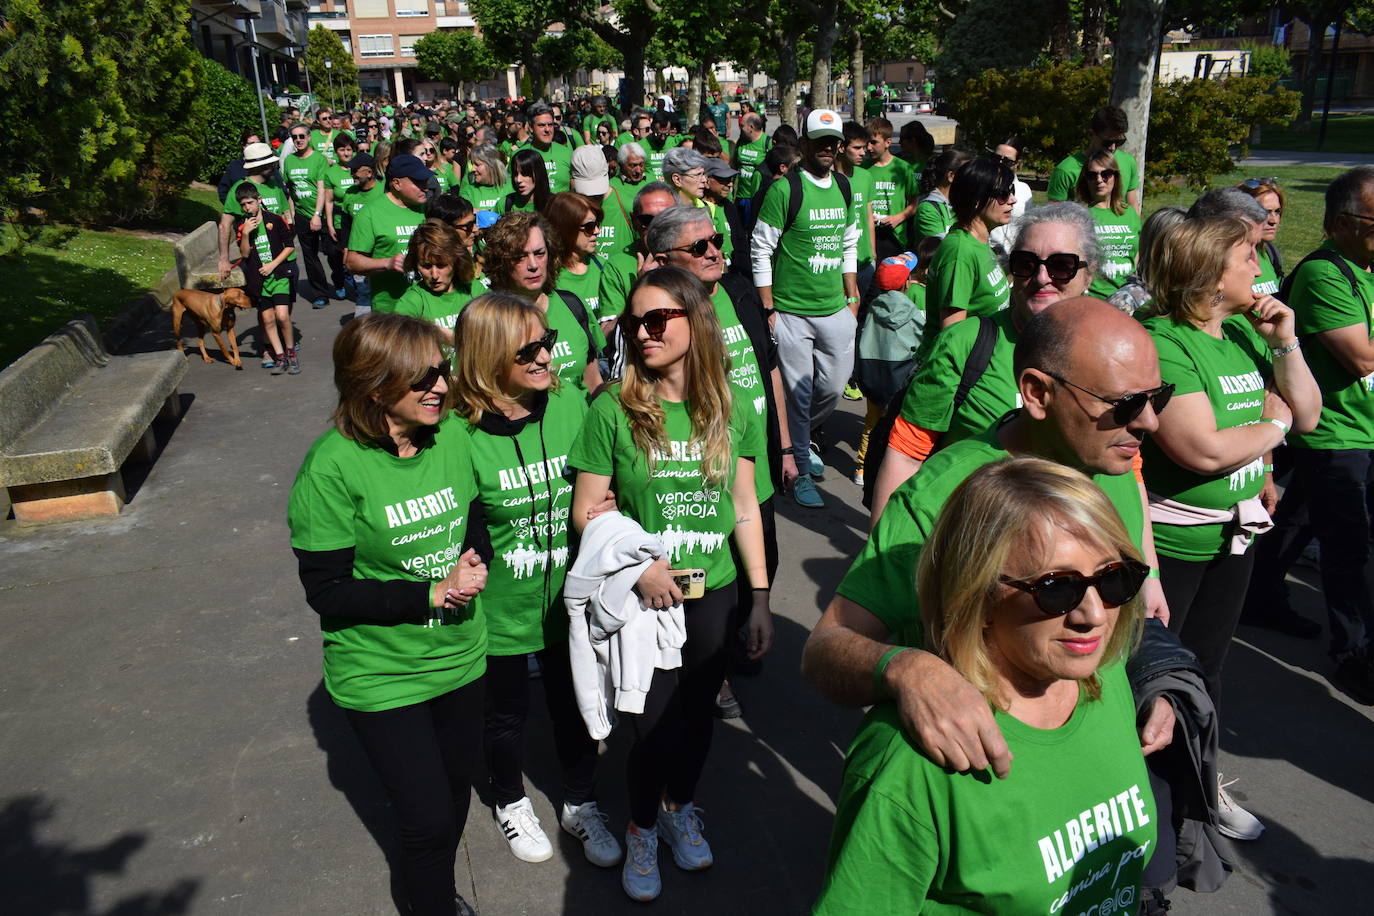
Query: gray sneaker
[
  {"x": 640, "y": 877},
  {"x": 293, "y": 363},
  {"x": 682, "y": 831},
  {"x": 280, "y": 365}
]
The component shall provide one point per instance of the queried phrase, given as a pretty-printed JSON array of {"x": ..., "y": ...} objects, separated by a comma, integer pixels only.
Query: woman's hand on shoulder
[
  {"x": 656, "y": 588},
  {"x": 465, "y": 580}
]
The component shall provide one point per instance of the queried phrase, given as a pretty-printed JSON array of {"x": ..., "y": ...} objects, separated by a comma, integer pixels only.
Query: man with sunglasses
[
  {"x": 1088, "y": 376},
  {"x": 626, "y": 264},
  {"x": 1106, "y": 132},
  {"x": 304, "y": 170}
]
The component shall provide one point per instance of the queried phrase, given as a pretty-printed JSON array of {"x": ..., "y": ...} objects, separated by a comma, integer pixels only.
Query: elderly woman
[
  {"x": 378, "y": 514},
  {"x": 1028, "y": 588},
  {"x": 1241, "y": 384},
  {"x": 684, "y": 170}
]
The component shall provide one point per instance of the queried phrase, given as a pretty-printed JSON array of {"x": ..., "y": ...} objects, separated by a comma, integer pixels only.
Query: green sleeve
[
  {"x": 1322, "y": 301},
  {"x": 593, "y": 451},
  {"x": 773, "y": 210},
  {"x": 929, "y": 220},
  {"x": 231, "y": 203},
  {"x": 952, "y": 286},
  {"x": 929, "y": 402},
  {"x": 615, "y": 290},
  {"x": 1175, "y": 365},
  {"x": 1061, "y": 184},
  {"x": 410, "y": 302},
  {"x": 361, "y": 237},
  {"x": 882, "y": 579},
  {"x": 1130, "y": 170},
  {"x": 320, "y": 510},
  {"x": 753, "y": 441}
]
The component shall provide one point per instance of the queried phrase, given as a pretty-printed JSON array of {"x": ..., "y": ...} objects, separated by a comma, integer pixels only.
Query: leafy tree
[
  {"x": 230, "y": 106},
  {"x": 628, "y": 30},
  {"x": 511, "y": 29},
  {"x": 337, "y": 83},
  {"x": 981, "y": 39},
  {"x": 455, "y": 56}
]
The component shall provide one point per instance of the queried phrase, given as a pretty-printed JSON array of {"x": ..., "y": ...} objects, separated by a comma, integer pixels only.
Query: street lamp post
[{"x": 329, "y": 74}]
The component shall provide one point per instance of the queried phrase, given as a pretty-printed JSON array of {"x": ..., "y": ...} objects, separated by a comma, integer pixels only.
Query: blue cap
[
  {"x": 487, "y": 218},
  {"x": 408, "y": 166}
]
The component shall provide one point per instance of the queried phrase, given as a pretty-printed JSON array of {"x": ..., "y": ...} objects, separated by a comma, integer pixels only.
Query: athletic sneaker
[
  {"x": 640, "y": 876},
  {"x": 588, "y": 824},
  {"x": 341, "y": 292},
  {"x": 280, "y": 364},
  {"x": 804, "y": 492},
  {"x": 852, "y": 392},
  {"x": 1233, "y": 820},
  {"x": 817, "y": 468},
  {"x": 858, "y": 477},
  {"x": 523, "y": 833},
  {"x": 319, "y": 303},
  {"x": 293, "y": 363},
  {"x": 681, "y": 830}
]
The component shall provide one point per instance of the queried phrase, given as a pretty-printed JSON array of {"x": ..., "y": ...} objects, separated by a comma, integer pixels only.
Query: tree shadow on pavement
[{"x": 44, "y": 878}]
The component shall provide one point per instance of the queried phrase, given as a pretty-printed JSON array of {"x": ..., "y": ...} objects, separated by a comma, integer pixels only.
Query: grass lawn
[
  {"x": 1345, "y": 133},
  {"x": 1304, "y": 186}
]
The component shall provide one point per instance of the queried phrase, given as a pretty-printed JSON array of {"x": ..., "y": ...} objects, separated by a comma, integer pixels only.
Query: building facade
[{"x": 226, "y": 32}]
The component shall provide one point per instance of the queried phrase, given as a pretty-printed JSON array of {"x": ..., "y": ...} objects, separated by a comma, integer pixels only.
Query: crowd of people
[{"x": 590, "y": 353}]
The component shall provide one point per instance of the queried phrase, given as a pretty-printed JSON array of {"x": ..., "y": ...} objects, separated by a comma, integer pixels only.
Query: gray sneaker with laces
[{"x": 681, "y": 830}]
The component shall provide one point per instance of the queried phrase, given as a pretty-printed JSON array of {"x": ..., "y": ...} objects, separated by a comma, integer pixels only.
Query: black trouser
[
  {"x": 673, "y": 734},
  {"x": 333, "y": 252},
  {"x": 1205, "y": 598},
  {"x": 308, "y": 242},
  {"x": 1337, "y": 483},
  {"x": 426, "y": 756},
  {"x": 508, "y": 706},
  {"x": 1280, "y": 548}
]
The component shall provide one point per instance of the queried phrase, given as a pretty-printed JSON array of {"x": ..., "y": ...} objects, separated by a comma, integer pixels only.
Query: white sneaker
[
  {"x": 858, "y": 477},
  {"x": 682, "y": 831},
  {"x": 523, "y": 833},
  {"x": 1233, "y": 820},
  {"x": 588, "y": 824}
]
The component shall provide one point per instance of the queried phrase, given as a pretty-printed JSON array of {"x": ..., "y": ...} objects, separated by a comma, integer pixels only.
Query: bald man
[{"x": 1089, "y": 380}]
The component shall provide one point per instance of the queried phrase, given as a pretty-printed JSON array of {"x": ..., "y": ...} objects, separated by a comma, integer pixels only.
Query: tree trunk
[
  {"x": 827, "y": 31},
  {"x": 1094, "y": 31},
  {"x": 1061, "y": 30},
  {"x": 1311, "y": 69},
  {"x": 1135, "y": 54},
  {"x": 696, "y": 85},
  {"x": 633, "y": 53},
  {"x": 787, "y": 77},
  {"x": 856, "y": 75}
]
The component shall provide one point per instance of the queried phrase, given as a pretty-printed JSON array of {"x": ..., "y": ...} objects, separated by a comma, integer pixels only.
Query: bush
[
  {"x": 1271, "y": 61},
  {"x": 987, "y": 36},
  {"x": 229, "y": 106}
]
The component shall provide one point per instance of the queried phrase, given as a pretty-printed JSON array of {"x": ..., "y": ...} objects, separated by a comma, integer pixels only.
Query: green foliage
[
  {"x": 454, "y": 56},
  {"x": 1272, "y": 62},
  {"x": 337, "y": 84},
  {"x": 228, "y": 105},
  {"x": 1194, "y": 124},
  {"x": 983, "y": 39}
]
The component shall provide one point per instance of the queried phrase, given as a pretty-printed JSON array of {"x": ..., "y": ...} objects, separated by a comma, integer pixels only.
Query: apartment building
[{"x": 221, "y": 31}]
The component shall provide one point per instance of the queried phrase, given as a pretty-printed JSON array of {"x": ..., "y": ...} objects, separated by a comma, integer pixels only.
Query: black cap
[{"x": 360, "y": 160}]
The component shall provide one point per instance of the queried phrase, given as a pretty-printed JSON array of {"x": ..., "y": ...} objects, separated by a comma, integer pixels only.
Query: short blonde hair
[
  {"x": 376, "y": 360},
  {"x": 1186, "y": 265},
  {"x": 489, "y": 331},
  {"x": 1006, "y": 511}
]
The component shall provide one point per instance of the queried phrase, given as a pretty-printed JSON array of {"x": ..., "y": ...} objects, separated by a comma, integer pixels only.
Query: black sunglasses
[
  {"x": 654, "y": 322},
  {"x": 1061, "y": 265},
  {"x": 1127, "y": 408},
  {"x": 1058, "y": 593},
  {"x": 466, "y": 225},
  {"x": 1113, "y": 141},
  {"x": 698, "y": 248},
  {"x": 590, "y": 227},
  {"x": 644, "y": 219},
  {"x": 1001, "y": 194},
  {"x": 432, "y": 376},
  {"x": 1104, "y": 174},
  {"x": 530, "y": 351}
]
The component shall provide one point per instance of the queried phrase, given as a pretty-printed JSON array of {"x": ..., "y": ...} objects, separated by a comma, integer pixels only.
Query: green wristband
[
  {"x": 1154, "y": 574},
  {"x": 881, "y": 668}
]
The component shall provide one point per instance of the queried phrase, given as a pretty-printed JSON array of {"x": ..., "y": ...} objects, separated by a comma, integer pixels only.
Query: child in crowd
[{"x": 268, "y": 246}]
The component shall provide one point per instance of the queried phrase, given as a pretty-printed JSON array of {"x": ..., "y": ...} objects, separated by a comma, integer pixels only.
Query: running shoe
[
  {"x": 640, "y": 876},
  {"x": 1233, "y": 820},
  {"x": 681, "y": 830},
  {"x": 523, "y": 833},
  {"x": 588, "y": 824},
  {"x": 805, "y": 493}
]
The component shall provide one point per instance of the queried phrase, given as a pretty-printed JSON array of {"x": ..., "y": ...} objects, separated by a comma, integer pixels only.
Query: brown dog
[{"x": 212, "y": 310}]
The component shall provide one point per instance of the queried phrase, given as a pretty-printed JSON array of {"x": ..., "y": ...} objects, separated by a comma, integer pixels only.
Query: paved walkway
[{"x": 166, "y": 746}]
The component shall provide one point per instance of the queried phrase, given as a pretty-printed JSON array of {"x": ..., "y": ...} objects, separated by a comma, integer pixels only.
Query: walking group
[{"x": 589, "y": 354}]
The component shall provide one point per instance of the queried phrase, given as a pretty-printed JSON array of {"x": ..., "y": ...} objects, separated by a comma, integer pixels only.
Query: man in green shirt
[
  {"x": 381, "y": 231},
  {"x": 1106, "y": 132},
  {"x": 720, "y": 113},
  {"x": 557, "y": 157},
  {"x": 750, "y": 150},
  {"x": 261, "y": 164},
  {"x": 598, "y": 115},
  {"x": 895, "y": 191},
  {"x": 625, "y": 265},
  {"x": 338, "y": 178},
  {"x": 589, "y": 178},
  {"x": 364, "y": 190},
  {"x": 1080, "y": 341},
  {"x": 304, "y": 170},
  {"x": 631, "y": 175},
  {"x": 658, "y": 143}
]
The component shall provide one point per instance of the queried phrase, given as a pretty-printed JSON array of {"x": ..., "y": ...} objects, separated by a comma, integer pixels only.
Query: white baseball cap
[
  {"x": 823, "y": 123},
  {"x": 589, "y": 171}
]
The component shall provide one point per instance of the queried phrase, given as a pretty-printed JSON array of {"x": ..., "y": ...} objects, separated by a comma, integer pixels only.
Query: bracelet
[
  {"x": 1154, "y": 574},
  {"x": 763, "y": 588},
  {"x": 850, "y": 300},
  {"x": 881, "y": 668},
  {"x": 1283, "y": 427},
  {"x": 1284, "y": 351},
  {"x": 1268, "y": 469}
]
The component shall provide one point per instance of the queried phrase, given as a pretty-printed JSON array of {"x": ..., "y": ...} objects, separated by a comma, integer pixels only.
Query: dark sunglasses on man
[
  {"x": 1125, "y": 409},
  {"x": 698, "y": 248}
]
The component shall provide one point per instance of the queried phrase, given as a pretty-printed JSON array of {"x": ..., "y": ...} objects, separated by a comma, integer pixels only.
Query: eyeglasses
[
  {"x": 300, "y": 136},
  {"x": 695, "y": 174},
  {"x": 432, "y": 376},
  {"x": 590, "y": 227},
  {"x": 466, "y": 226},
  {"x": 1126, "y": 409},
  {"x": 654, "y": 322},
  {"x": 530, "y": 351},
  {"x": 1359, "y": 216},
  {"x": 1058, "y": 593},
  {"x": 698, "y": 248},
  {"x": 1061, "y": 265},
  {"x": 1101, "y": 174}
]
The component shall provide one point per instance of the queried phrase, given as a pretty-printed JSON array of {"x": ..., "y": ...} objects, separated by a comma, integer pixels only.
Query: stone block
[{"x": 68, "y": 500}]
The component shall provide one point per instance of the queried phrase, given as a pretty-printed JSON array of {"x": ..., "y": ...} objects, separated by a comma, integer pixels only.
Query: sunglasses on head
[
  {"x": 1061, "y": 265},
  {"x": 1125, "y": 409},
  {"x": 654, "y": 322},
  {"x": 1058, "y": 593},
  {"x": 1254, "y": 184},
  {"x": 432, "y": 376},
  {"x": 530, "y": 351},
  {"x": 698, "y": 248}
]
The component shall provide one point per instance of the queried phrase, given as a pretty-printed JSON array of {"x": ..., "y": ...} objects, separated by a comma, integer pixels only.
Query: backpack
[
  {"x": 978, "y": 359},
  {"x": 1321, "y": 254},
  {"x": 579, "y": 312},
  {"x": 794, "y": 195}
]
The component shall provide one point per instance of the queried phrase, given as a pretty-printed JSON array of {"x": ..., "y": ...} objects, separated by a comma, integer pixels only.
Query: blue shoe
[
  {"x": 817, "y": 465},
  {"x": 640, "y": 876},
  {"x": 319, "y": 303},
  {"x": 804, "y": 492},
  {"x": 341, "y": 293},
  {"x": 681, "y": 830}
]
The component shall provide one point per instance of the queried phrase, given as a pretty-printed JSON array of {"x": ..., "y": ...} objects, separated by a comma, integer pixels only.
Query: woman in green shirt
[
  {"x": 674, "y": 441},
  {"x": 444, "y": 281},
  {"x": 485, "y": 184},
  {"x": 521, "y": 425},
  {"x": 576, "y": 223},
  {"x": 933, "y": 214},
  {"x": 1118, "y": 225},
  {"x": 378, "y": 515},
  {"x": 964, "y": 278},
  {"x": 530, "y": 179}
]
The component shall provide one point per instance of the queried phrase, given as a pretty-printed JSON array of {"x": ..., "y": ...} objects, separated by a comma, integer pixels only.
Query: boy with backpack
[{"x": 267, "y": 244}]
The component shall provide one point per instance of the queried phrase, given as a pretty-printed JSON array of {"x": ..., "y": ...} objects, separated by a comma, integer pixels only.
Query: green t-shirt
[
  {"x": 338, "y": 180},
  {"x": 748, "y": 158},
  {"x": 1065, "y": 175},
  {"x": 861, "y": 186},
  {"x": 273, "y": 193},
  {"x": 442, "y": 309},
  {"x": 615, "y": 231},
  {"x": 1232, "y": 372},
  {"x": 747, "y": 376},
  {"x": 882, "y": 578},
  {"x": 590, "y": 121},
  {"x": 557, "y": 162},
  {"x": 302, "y": 174},
  {"x": 1069, "y": 831},
  {"x": 511, "y": 204},
  {"x": 691, "y": 516},
  {"x": 929, "y": 402},
  {"x": 963, "y": 274},
  {"x": 404, "y": 518},
  {"x": 382, "y": 229},
  {"x": 355, "y": 198},
  {"x": 892, "y": 186},
  {"x": 1267, "y": 283},
  {"x": 447, "y": 173},
  {"x": 525, "y": 486},
  {"x": 587, "y": 287},
  {"x": 810, "y": 254},
  {"x": 620, "y": 273},
  {"x": 572, "y": 352},
  {"x": 1322, "y": 300},
  {"x": 932, "y": 217},
  {"x": 654, "y": 151},
  {"x": 1119, "y": 239},
  {"x": 483, "y": 197}
]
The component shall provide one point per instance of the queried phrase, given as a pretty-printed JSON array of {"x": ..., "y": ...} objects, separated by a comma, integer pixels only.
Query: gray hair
[
  {"x": 1070, "y": 214},
  {"x": 668, "y": 226},
  {"x": 681, "y": 160},
  {"x": 1344, "y": 194},
  {"x": 1228, "y": 202},
  {"x": 1160, "y": 223},
  {"x": 631, "y": 149},
  {"x": 652, "y": 187},
  {"x": 490, "y": 156},
  {"x": 484, "y": 135},
  {"x": 537, "y": 109}
]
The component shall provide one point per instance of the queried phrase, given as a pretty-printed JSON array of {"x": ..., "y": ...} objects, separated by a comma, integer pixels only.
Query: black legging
[
  {"x": 1205, "y": 598},
  {"x": 673, "y": 734},
  {"x": 507, "y": 708},
  {"x": 424, "y": 753}
]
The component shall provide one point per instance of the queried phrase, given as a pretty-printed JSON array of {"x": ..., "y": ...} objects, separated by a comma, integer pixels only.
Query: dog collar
[{"x": 219, "y": 302}]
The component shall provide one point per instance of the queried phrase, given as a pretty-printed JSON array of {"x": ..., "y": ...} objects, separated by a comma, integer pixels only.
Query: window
[
  {"x": 408, "y": 45},
  {"x": 376, "y": 46},
  {"x": 371, "y": 9},
  {"x": 347, "y": 40},
  {"x": 412, "y": 7}
]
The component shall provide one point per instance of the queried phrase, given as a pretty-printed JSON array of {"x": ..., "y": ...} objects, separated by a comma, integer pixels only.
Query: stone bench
[
  {"x": 73, "y": 415},
  {"x": 198, "y": 260}
]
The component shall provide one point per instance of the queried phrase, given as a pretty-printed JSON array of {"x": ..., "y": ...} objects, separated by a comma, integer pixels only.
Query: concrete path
[{"x": 166, "y": 746}]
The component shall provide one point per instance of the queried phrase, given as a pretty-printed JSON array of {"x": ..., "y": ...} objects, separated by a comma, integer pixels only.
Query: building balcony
[
  {"x": 275, "y": 22},
  {"x": 236, "y": 9}
]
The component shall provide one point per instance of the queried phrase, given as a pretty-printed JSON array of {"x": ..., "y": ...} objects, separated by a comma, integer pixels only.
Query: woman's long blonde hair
[
  {"x": 709, "y": 398},
  {"x": 1011, "y": 511},
  {"x": 489, "y": 331}
]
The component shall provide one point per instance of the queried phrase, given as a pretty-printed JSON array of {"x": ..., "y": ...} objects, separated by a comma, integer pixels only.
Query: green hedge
[{"x": 227, "y": 106}]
